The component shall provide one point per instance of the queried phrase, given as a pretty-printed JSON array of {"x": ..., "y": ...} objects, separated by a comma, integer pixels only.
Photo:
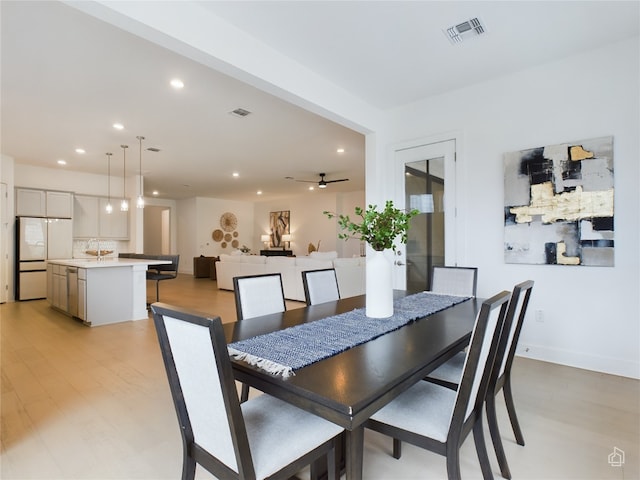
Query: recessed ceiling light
[
  {"x": 259, "y": 192},
  {"x": 310, "y": 188},
  {"x": 80, "y": 150},
  {"x": 340, "y": 150},
  {"x": 235, "y": 174},
  {"x": 118, "y": 126},
  {"x": 62, "y": 162},
  {"x": 155, "y": 192},
  {"x": 177, "y": 83}
]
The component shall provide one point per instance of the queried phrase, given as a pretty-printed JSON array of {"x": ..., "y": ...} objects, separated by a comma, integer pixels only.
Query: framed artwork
[
  {"x": 558, "y": 204},
  {"x": 279, "y": 223}
]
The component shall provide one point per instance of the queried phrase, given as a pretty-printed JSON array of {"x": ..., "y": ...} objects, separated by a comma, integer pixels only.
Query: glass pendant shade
[
  {"x": 124, "y": 205},
  {"x": 140, "y": 201},
  {"x": 109, "y": 207}
]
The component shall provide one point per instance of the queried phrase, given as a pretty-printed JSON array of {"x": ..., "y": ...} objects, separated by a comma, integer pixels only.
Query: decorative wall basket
[
  {"x": 228, "y": 222},
  {"x": 217, "y": 235}
]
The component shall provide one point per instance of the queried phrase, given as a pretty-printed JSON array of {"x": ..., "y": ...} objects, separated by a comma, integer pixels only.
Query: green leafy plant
[{"x": 378, "y": 229}]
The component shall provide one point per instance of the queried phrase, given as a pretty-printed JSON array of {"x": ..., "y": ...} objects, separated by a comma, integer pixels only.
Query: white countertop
[{"x": 107, "y": 262}]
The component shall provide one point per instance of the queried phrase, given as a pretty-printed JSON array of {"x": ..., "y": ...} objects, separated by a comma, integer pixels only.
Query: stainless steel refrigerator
[{"x": 39, "y": 240}]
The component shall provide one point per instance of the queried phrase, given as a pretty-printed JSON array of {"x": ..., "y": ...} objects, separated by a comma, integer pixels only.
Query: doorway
[
  {"x": 157, "y": 230},
  {"x": 428, "y": 185}
]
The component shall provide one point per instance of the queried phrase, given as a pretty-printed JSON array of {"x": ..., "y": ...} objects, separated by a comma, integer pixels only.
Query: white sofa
[{"x": 350, "y": 272}]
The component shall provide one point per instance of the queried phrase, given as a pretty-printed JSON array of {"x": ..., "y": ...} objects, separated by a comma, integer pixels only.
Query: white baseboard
[{"x": 597, "y": 363}]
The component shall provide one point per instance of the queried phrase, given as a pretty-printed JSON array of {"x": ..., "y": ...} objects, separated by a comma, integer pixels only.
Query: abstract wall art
[{"x": 558, "y": 204}]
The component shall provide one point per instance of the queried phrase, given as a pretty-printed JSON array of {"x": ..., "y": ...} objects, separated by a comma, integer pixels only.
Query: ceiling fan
[{"x": 322, "y": 183}]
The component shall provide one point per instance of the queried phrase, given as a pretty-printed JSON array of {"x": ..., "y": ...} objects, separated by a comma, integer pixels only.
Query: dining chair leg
[
  {"x": 481, "y": 449},
  {"x": 333, "y": 471},
  {"x": 511, "y": 410},
  {"x": 244, "y": 394},
  {"x": 188, "y": 467},
  {"x": 397, "y": 448},
  {"x": 453, "y": 461},
  {"x": 492, "y": 420}
]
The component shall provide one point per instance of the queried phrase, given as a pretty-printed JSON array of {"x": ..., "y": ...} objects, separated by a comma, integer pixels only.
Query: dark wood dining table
[{"x": 349, "y": 387}]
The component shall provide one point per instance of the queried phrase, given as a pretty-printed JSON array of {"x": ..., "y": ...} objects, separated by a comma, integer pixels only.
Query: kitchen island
[{"x": 100, "y": 292}]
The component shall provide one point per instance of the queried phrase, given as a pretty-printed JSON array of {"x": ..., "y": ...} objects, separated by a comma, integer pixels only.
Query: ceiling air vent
[
  {"x": 465, "y": 30},
  {"x": 240, "y": 112}
]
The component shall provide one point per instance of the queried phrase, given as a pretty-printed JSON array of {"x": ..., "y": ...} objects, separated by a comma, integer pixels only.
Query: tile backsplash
[{"x": 80, "y": 246}]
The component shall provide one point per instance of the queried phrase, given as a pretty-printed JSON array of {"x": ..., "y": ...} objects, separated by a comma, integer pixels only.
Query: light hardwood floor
[{"x": 93, "y": 403}]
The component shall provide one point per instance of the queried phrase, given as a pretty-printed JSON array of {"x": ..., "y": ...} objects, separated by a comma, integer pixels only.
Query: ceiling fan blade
[
  {"x": 333, "y": 181},
  {"x": 307, "y": 181}
]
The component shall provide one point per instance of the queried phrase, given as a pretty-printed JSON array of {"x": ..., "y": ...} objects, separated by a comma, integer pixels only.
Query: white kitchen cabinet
[
  {"x": 50, "y": 283},
  {"x": 114, "y": 225},
  {"x": 82, "y": 294},
  {"x": 31, "y": 202},
  {"x": 91, "y": 219},
  {"x": 85, "y": 218},
  {"x": 67, "y": 289},
  {"x": 58, "y": 287},
  {"x": 59, "y": 204}
]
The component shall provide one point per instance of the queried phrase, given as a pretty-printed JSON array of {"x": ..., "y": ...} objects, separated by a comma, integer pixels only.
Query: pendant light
[
  {"x": 124, "y": 205},
  {"x": 140, "y": 202},
  {"x": 109, "y": 207}
]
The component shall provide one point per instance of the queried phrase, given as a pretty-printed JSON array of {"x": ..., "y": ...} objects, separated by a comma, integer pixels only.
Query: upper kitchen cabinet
[
  {"x": 85, "y": 220},
  {"x": 91, "y": 219},
  {"x": 115, "y": 224},
  {"x": 59, "y": 204},
  {"x": 31, "y": 202}
]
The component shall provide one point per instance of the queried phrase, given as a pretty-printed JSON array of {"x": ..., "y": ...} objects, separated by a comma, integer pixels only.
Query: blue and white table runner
[{"x": 284, "y": 351}]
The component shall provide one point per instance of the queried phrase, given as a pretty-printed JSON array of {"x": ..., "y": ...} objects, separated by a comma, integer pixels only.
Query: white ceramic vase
[{"x": 379, "y": 287}]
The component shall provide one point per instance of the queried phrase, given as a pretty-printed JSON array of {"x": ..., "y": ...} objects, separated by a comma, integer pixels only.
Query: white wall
[
  {"x": 208, "y": 213},
  {"x": 7, "y": 249},
  {"x": 591, "y": 315},
  {"x": 186, "y": 223},
  {"x": 308, "y": 223}
]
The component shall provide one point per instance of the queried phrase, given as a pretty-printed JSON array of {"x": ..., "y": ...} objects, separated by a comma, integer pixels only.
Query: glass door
[
  {"x": 428, "y": 185},
  {"x": 424, "y": 190}
]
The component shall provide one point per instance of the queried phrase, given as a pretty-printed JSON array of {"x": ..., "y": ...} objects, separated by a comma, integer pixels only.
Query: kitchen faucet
[{"x": 97, "y": 240}]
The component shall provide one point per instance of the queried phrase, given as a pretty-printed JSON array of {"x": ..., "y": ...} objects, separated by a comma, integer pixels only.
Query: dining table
[{"x": 349, "y": 387}]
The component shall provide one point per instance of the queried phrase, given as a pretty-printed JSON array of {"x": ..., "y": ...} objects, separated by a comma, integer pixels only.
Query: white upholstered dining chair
[
  {"x": 439, "y": 419},
  {"x": 450, "y": 372},
  {"x": 454, "y": 280},
  {"x": 263, "y": 438},
  {"x": 258, "y": 295},
  {"x": 320, "y": 286}
]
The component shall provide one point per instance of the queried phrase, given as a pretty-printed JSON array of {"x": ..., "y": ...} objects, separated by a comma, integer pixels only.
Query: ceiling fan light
[{"x": 322, "y": 185}]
